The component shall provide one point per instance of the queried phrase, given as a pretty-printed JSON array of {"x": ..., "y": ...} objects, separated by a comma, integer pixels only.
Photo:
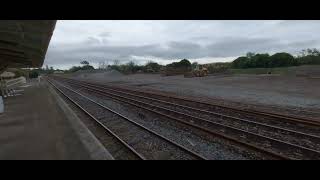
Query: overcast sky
[{"x": 167, "y": 41}]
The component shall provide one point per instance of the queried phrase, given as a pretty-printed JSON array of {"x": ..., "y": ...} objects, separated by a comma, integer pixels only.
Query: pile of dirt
[{"x": 97, "y": 74}]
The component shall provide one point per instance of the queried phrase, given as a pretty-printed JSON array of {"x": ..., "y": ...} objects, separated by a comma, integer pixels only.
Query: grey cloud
[
  {"x": 65, "y": 54},
  {"x": 226, "y": 47},
  {"x": 95, "y": 41},
  {"x": 304, "y": 44},
  {"x": 183, "y": 50},
  {"x": 104, "y": 40},
  {"x": 167, "y": 40},
  {"x": 94, "y": 53},
  {"x": 192, "y": 45},
  {"x": 231, "y": 46},
  {"x": 105, "y": 34},
  {"x": 92, "y": 40},
  {"x": 298, "y": 22},
  {"x": 199, "y": 38}
]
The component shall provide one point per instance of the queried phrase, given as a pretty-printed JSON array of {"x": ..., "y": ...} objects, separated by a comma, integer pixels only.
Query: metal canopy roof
[{"x": 24, "y": 43}]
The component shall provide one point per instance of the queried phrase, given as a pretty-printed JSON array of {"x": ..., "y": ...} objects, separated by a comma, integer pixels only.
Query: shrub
[
  {"x": 152, "y": 67},
  {"x": 182, "y": 65},
  {"x": 265, "y": 61},
  {"x": 33, "y": 74},
  {"x": 282, "y": 60}
]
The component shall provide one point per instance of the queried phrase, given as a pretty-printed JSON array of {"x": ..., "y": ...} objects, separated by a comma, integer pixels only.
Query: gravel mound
[{"x": 98, "y": 74}]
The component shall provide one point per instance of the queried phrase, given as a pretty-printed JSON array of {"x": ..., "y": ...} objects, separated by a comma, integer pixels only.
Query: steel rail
[
  {"x": 215, "y": 114},
  {"x": 248, "y": 145},
  {"x": 262, "y": 113},
  {"x": 101, "y": 124},
  {"x": 305, "y": 149},
  {"x": 141, "y": 126}
]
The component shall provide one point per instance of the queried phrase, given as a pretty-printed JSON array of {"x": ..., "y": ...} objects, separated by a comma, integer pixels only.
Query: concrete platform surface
[{"x": 36, "y": 126}]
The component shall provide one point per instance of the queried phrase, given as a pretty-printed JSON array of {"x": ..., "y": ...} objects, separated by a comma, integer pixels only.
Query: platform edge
[{"x": 96, "y": 150}]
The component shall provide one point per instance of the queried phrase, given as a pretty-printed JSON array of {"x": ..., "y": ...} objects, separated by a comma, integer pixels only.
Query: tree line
[
  {"x": 85, "y": 66},
  {"x": 151, "y": 67},
  {"x": 251, "y": 60},
  {"x": 132, "y": 67},
  {"x": 282, "y": 59}
]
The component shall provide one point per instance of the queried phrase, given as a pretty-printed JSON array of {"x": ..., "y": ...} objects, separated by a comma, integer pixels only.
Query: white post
[
  {"x": 1, "y": 105},
  {"x": 2, "y": 87},
  {"x": 5, "y": 89},
  {"x": 39, "y": 79}
]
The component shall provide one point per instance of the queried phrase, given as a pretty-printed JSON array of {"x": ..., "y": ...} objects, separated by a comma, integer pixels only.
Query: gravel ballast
[{"x": 274, "y": 90}]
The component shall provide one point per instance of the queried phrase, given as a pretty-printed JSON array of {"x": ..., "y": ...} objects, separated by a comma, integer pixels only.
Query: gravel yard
[{"x": 270, "y": 90}]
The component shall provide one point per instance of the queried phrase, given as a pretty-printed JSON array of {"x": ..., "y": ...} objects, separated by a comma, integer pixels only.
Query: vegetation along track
[
  {"x": 138, "y": 141},
  {"x": 292, "y": 144}
]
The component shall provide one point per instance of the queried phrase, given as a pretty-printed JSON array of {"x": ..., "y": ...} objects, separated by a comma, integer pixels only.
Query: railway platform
[{"x": 38, "y": 125}]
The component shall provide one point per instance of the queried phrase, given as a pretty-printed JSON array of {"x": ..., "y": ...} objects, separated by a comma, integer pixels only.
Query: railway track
[
  {"x": 309, "y": 139},
  {"x": 224, "y": 109},
  {"x": 138, "y": 141},
  {"x": 302, "y": 145},
  {"x": 210, "y": 105},
  {"x": 291, "y": 149},
  {"x": 296, "y": 112}
]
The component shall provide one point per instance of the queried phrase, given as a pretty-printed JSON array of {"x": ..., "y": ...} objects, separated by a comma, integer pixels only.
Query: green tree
[
  {"x": 260, "y": 60},
  {"x": 282, "y": 60},
  {"x": 185, "y": 63},
  {"x": 77, "y": 68},
  {"x": 152, "y": 67},
  {"x": 194, "y": 65},
  {"x": 85, "y": 63},
  {"x": 250, "y": 55},
  {"x": 116, "y": 62},
  {"x": 33, "y": 74},
  {"x": 309, "y": 56},
  {"x": 241, "y": 62},
  {"x": 130, "y": 67}
]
